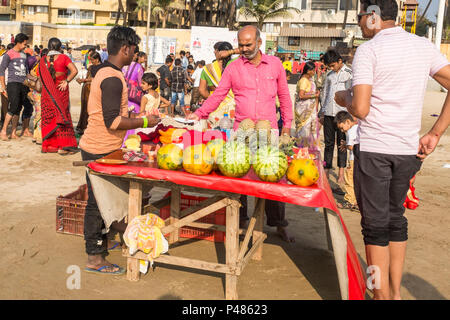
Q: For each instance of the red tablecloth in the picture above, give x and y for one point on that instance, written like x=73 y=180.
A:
x=318 y=195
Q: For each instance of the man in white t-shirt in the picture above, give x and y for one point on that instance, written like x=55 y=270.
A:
x=387 y=97
x=347 y=124
x=195 y=95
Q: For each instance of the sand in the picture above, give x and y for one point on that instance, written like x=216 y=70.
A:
x=36 y=262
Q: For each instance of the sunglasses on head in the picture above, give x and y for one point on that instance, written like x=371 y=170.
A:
x=360 y=15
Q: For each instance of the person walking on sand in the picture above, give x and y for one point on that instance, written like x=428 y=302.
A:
x=15 y=61
x=246 y=76
x=387 y=97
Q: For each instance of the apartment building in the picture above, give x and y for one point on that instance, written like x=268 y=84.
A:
x=317 y=26
x=100 y=12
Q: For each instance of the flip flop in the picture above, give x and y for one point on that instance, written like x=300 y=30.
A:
x=115 y=247
x=99 y=270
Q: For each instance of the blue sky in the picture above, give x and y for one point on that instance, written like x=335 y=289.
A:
x=432 y=10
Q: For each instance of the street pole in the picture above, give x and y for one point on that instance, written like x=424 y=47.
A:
x=147 y=42
x=440 y=24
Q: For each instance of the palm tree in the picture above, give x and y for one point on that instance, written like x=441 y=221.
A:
x=261 y=10
x=161 y=8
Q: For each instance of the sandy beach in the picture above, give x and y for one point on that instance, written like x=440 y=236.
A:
x=34 y=259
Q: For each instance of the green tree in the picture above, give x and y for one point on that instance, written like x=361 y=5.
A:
x=261 y=10
x=161 y=9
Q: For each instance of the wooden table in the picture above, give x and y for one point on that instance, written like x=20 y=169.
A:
x=238 y=254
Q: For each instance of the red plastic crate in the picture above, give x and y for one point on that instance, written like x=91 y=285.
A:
x=70 y=210
x=217 y=217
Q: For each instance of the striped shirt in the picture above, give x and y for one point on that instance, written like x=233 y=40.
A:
x=397 y=65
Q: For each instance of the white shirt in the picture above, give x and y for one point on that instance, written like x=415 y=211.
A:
x=342 y=80
x=196 y=77
x=352 y=138
x=397 y=64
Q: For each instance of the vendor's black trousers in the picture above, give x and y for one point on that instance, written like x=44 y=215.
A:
x=332 y=135
x=275 y=212
x=96 y=241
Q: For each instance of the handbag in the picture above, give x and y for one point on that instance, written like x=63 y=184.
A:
x=135 y=92
x=32 y=81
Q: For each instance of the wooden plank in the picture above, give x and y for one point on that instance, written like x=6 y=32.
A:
x=205 y=203
x=195 y=216
x=258 y=230
x=188 y=263
x=339 y=242
x=248 y=234
x=327 y=230
x=134 y=210
x=207 y=226
x=259 y=242
x=232 y=250
x=175 y=209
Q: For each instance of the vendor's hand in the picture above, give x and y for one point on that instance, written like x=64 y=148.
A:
x=80 y=81
x=344 y=98
x=5 y=94
x=286 y=131
x=193 y=116
x=153 y=120
x=427 y=144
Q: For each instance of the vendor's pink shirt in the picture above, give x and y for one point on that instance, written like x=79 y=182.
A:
x=255 y=90
x=397 y=64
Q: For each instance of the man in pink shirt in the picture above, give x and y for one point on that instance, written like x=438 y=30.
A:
x=256 y=80
x=387 y=97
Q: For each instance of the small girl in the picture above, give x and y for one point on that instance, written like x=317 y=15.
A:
x=152 y=100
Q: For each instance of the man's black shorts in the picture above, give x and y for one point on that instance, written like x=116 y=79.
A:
x=381 y=183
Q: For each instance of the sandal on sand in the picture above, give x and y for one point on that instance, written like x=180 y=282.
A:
x=116 y=247
x=99 y=270
x=344 y=205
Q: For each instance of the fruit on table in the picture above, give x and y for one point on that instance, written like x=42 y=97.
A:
x=133 y=142
x=172 y=135
x=234 y=159
x=303 y=172
x=264 y=131
x=197 y=159
x=170 y=157
x=247 y=124
x=270 y=164
x=214 y=146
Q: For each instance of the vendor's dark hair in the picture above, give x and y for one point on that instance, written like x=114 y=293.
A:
x=151 y=79
x=389 y=8
x=331 y=56
x=121 y=36
x=222 y=47
x=55 y=45
x=308 y=67
x=20 y=37
x=342 y=116
x=216 y=45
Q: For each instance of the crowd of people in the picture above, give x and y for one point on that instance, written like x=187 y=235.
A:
x=367 y=111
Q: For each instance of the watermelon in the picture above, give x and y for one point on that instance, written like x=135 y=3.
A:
x=270 y=164
x=214 y=146
x=234 y=159
x=170 y=157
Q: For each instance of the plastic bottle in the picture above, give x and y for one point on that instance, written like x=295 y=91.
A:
x=226 y=125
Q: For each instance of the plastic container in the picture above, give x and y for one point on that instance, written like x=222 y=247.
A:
x=70 y=211
x=217 y=217
x=226 y=125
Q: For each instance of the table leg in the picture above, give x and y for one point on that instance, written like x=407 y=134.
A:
x=134 y=210
x=175 y=209
x=232 y=249
x=327 y=230
x=258 y=231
